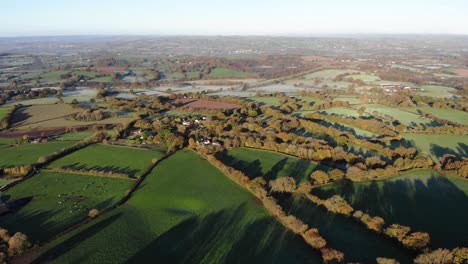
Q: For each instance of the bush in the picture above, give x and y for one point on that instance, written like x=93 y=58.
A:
x=386 y=261
x=460 y=255
x=93 y=213
x=397 y=231
x=17 y=244
x=283 y=184
x=329 y=254
x=416 y=240
x=313 y=238
x=319 y=177
x=438 y=256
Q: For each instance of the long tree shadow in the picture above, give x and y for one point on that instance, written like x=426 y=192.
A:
x=40 y=224
x=75 y=240
x=344 y=233
x=434 y=205
x=226 y=237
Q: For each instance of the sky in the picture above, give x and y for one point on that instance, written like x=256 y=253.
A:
x=234 y=17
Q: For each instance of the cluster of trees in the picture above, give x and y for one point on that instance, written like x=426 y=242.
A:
x=11 y=246
x=336 y=204
x=91 y=115
x=451 y=164
x=373 y=125
x=331 y=104
x=16 y=171
x=457 y=255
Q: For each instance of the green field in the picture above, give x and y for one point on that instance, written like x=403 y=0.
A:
x=131 y=161
x=3 y=112
x=186 y=211
x=448 y=114
x=420 y=199
x=437 y=91
x=439 y=145
x=85 y=74
x=402 y=115
x=54 y=76
x=268 y=164
x=105 y=79
x=58 y=201
x=29 y=153
x=342 y=111
x=229 y=73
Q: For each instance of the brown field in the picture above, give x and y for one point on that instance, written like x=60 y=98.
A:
x=40 y=117
x=36 y=114
x=206 y=104
x=461 y=72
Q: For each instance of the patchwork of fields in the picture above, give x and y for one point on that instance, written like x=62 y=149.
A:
x=186 y=212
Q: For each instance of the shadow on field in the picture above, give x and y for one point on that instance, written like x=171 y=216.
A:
x=436 y=206
x=344 y=233
x=75 y=240
x=439 y=151
x=20 y=116
x=40 y=224
x=127 y=170
x=225 y=237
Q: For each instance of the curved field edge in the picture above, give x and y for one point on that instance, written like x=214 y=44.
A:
x=186 y=211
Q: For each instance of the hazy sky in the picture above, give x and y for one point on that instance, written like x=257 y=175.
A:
x=231 y=17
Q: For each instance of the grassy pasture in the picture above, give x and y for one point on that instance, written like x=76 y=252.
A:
x=342 y=111
x=186 y=211
x=437 y=91
x=448 y=114
x=58 y=201
x=131 y=161
x=268 y=164
x=29 y=153
x=104 y=79
x=3 y=112
x=439 y=145
x=351 y=100
x=420 y=199
x=85 y=73
x=402 y=115
x=229 y=73
x=54 y=76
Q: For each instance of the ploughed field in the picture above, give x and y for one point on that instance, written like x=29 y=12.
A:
x=186 y=211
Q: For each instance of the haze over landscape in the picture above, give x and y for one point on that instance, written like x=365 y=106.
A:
x=243 y=17
x=234 y=131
